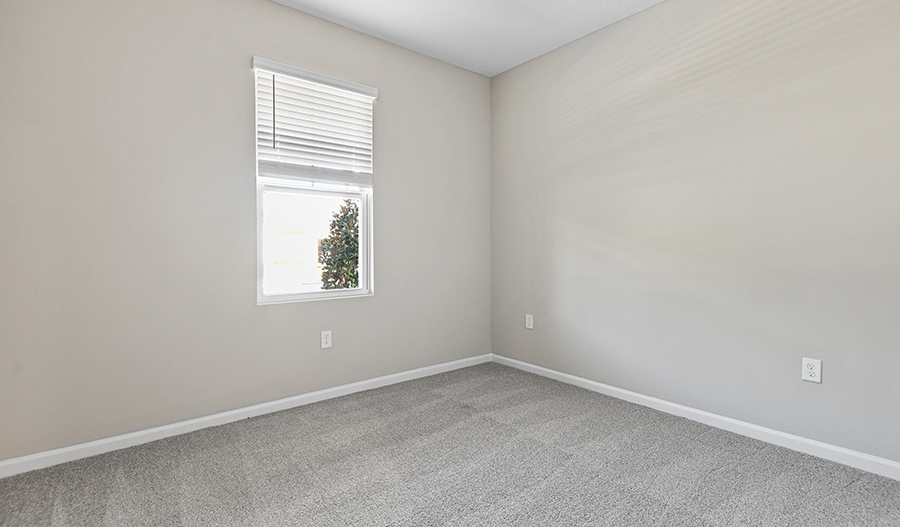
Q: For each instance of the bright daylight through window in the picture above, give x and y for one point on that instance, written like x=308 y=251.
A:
x=314 y=185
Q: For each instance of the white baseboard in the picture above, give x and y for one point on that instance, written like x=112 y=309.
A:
x=869 y=463
x=845 y=456
x=18 y=465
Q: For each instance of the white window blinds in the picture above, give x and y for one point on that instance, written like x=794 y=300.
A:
x=312 y=126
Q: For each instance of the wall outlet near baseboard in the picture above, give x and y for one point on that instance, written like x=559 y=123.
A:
x=812 y=370
x=529 y=322
x=326 y=339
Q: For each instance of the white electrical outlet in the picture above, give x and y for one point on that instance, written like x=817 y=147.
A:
x=326 y=339
x=529 y=322
x=812 y=370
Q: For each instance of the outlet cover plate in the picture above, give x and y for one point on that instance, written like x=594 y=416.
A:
x=529 y=322
x=326 y=339
x=812 y=370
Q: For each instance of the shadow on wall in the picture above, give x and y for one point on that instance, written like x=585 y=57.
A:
x=712 y=209
x=741 y=54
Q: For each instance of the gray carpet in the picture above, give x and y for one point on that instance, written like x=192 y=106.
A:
x=487 y=445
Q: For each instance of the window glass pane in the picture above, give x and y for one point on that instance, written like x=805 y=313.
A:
x=310 y=242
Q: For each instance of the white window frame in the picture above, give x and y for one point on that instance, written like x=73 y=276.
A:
x=364 y=195
x=312 y=180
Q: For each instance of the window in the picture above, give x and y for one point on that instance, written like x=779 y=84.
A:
x=313 y=185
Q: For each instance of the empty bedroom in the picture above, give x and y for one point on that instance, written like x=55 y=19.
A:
x=406 y=263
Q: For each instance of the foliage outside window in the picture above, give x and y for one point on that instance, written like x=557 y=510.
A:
x=339 y=253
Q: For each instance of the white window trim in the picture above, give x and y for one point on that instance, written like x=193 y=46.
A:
x=284 y=177
x=364 y=195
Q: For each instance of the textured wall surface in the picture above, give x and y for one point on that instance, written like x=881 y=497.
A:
x=128 y=217
x=691 y=200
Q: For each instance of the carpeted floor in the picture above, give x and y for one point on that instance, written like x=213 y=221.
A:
x=487 y=445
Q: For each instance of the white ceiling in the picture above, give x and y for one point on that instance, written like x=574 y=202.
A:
x=484 y=36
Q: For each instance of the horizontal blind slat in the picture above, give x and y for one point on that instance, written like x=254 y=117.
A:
x=316 y=121
x=313 y=142
x=287 y=149
x=270 y=167
x=315 y=96
x=299 y=122
x=319 y=163
x=327 y=91
x=352 y=118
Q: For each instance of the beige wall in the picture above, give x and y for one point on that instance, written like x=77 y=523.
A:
x=693 y=199
x=688 y=202
x=128 y=217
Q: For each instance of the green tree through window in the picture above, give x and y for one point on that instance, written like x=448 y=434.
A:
x=339 y=252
